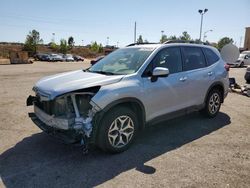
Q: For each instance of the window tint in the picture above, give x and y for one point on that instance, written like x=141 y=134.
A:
x=169 y=58
x=210 y=56
x=193 y=58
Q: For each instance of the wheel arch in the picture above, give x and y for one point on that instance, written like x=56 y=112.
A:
x=216 y=85
x=133 y=103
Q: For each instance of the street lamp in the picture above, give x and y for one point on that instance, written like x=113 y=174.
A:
x=162 y=32
x=205 y=36
x=202 y=12
x=107 y=41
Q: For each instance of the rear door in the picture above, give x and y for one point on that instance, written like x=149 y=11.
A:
x=196 y=74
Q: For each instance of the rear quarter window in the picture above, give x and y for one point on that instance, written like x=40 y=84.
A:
x=211 y=57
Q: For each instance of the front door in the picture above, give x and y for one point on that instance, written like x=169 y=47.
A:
x=165 y=94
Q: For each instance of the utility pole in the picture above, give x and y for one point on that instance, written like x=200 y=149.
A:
x=53 y=37
x=135 y=33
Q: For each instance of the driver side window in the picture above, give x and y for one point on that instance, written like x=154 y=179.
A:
x=169 y=58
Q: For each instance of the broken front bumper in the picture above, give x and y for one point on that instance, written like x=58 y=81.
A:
x=67 y=136
x=51 y=121
x=66 y=116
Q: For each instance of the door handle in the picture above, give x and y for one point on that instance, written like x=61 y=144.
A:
x=183 y=79
x=210 y=73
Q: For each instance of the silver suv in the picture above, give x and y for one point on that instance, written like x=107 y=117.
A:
x=110 y=102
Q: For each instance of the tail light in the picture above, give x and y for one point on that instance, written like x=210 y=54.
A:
x=227 y=67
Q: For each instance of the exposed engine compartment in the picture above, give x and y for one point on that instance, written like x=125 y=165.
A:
x=70 y=114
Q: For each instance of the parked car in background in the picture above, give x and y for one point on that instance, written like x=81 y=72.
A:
x=244 y=59
x=247 y=75
x=94 y=61
x=68 y=57
x=55 y=57
x=109 y=103
x=78 y=58
x=42 y=57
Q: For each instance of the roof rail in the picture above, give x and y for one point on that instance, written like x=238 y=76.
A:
x=134 y=44
x=185 y=41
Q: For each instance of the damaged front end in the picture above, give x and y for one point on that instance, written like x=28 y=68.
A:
x=68 y=117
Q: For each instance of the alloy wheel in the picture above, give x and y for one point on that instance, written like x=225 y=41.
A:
x=121 y=131
x=214 y=103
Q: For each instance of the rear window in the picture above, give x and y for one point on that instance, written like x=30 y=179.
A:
x=210 y=56
x=193 y=58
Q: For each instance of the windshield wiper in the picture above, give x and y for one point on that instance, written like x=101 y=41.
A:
x=102 y=72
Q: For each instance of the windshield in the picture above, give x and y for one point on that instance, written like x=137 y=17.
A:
x=122 y=61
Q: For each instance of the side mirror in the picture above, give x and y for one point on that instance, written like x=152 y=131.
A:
x=160 y=72
x=246 y=57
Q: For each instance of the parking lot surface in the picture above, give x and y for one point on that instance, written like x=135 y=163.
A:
x=190 y=151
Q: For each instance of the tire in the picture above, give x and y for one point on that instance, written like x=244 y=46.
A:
x=242 y=64
x=212 y=104
x=111 y=137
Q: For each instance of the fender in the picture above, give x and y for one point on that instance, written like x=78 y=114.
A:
x=99 y=115
x=218 y=83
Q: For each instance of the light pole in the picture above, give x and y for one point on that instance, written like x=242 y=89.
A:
x=162 y=32
x=135 y=33
x=202 y=12
x=107 y=41
x=82 y=42
x=205 y=36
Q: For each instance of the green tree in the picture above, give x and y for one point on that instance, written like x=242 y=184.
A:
x=54 y=46
x=140 y=40
x=100 y=50
x=185 y=36
x=71 y=42
x=173 y=37
x=63 y=46
x=225 y=40
x=96 y=47
x=31 y=42
x=163 y=38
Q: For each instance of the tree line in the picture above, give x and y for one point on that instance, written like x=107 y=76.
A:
x=186 y=37
x=33 y=39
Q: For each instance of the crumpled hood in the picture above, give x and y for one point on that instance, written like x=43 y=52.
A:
x=59 y=84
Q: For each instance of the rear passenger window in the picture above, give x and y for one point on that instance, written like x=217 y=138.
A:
x=169 y=58
x=193 y=58
x=210 y=56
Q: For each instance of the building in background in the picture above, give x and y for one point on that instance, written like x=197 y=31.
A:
x=247 y=39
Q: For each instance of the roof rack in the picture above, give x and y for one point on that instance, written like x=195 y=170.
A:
x=134 y=44
x=185 y=41
x=170 y=42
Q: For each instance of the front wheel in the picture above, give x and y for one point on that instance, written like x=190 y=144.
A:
x=242 y=64
x=117 y=130
x=213 y=103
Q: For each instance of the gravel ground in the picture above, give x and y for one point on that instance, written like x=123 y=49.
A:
x=190 y=151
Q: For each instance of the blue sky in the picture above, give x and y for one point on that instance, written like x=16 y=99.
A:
x=95 y=20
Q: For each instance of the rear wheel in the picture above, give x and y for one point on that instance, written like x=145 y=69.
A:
x=213 y=103
x=117 y=130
